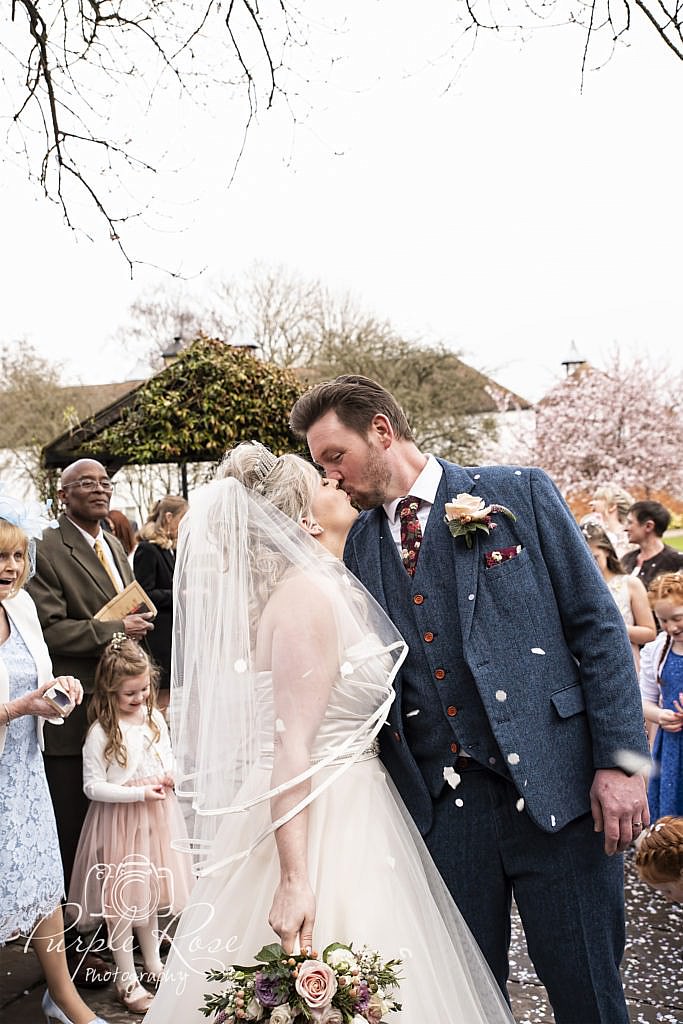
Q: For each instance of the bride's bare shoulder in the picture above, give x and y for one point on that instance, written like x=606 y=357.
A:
x=302 y=590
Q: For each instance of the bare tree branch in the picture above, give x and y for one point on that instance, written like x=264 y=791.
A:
x=78 y=62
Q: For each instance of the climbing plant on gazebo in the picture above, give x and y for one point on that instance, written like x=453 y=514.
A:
x=212 y=397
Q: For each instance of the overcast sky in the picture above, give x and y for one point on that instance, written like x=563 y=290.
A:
x=500 y=210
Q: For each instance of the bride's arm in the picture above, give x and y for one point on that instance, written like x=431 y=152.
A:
x=304 y=665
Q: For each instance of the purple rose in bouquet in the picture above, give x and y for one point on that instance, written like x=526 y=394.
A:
x=268 y=991
x=363 y=998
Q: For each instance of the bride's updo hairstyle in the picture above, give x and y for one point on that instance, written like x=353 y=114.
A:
x=289 y=482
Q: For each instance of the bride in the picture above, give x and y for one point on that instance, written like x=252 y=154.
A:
x=281 y=683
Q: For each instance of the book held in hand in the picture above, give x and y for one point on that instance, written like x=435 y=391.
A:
x=132 y=600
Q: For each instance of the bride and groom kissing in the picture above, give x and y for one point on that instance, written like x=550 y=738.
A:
x=500 y=724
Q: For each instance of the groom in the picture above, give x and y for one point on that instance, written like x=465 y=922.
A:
x=515 y=701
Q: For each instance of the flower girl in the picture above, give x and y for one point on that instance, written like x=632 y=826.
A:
x=125 y=870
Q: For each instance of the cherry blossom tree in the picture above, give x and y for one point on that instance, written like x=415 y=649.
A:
x=624 y=423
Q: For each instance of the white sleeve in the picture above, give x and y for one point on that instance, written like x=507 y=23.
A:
x=164 y=746
x=649 y=658
x=95 y=785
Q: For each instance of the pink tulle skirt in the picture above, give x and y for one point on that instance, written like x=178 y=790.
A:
x=125 y=866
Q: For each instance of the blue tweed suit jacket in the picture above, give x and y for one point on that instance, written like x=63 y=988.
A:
x=542 y=628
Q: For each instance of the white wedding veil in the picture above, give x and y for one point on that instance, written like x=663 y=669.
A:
x=282 y=662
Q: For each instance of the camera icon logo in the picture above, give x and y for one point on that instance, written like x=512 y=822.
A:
x=135 y=890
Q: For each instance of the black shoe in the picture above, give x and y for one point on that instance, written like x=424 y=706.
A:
x=90 y=971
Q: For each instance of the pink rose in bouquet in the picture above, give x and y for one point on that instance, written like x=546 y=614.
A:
x=316 y=984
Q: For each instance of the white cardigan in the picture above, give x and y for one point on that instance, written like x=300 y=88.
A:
x=649 y=660
x=105 y=780
x=22 y=611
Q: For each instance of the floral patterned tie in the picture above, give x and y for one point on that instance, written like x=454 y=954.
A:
x=411 y=532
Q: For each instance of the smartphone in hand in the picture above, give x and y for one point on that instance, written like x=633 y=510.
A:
x=59 y=699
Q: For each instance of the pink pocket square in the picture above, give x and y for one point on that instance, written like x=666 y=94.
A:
x=499 y=555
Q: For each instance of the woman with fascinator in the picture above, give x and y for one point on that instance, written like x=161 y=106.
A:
x=31 y=877
x=281 y=682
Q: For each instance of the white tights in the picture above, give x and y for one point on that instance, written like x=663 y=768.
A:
x=121 y=945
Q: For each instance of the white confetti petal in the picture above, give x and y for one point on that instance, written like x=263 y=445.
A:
x=451 y=777
x=279 y=725
x=520 y=804
x=513 y=758
x=501 y=695
x=240 y=665
x=458 y=802
x=552 y=820
x=477 y=476
x=411 y=714
x=632 y=763
x=346 y=669
x=518 y=472
x=537 y=650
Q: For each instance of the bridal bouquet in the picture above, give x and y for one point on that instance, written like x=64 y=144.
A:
x=341 y=986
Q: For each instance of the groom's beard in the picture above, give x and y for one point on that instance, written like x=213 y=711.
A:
x=374 y=486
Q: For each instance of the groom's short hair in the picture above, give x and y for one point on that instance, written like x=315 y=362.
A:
x=355 y=399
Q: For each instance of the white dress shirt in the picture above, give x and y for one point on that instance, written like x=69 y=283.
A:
x=424 y=488
x=105 y=547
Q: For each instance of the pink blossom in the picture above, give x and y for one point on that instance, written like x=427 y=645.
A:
x=316 y=984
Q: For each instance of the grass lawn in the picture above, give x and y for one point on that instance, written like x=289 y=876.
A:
x=674 y=542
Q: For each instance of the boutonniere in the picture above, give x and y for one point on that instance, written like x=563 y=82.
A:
x=467 y=513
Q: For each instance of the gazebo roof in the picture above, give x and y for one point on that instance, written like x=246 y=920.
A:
x=208 y=399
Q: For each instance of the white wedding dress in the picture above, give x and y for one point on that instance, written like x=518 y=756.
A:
x=373 y=879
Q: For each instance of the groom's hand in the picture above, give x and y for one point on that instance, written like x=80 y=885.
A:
x=619 y=807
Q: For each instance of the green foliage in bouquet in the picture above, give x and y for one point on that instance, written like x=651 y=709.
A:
x=340 y=987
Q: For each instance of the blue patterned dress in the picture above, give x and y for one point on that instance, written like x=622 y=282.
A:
x=31 y=877
x=665 y=792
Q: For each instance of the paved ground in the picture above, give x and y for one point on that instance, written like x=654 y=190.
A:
x=653 y=972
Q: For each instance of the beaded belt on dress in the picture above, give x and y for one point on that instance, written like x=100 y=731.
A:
x=266 y=758
x=365 y=755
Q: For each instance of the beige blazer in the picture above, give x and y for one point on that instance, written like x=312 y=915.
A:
x=22 y=611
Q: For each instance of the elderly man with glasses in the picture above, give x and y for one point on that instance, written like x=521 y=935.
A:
x=79 y=568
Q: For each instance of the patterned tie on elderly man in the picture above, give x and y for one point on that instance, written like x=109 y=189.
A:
x=411 y=532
